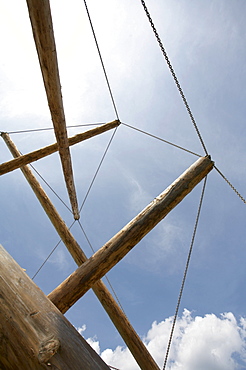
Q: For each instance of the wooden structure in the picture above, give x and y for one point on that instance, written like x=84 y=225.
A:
x=34 y=333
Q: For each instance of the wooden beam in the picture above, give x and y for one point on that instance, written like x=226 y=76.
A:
x=42 y=27
x=34 y=333
x=80 y=281
x=122 y=324
x=43 y=152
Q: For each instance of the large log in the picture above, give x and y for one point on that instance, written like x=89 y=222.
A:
x=80 y=281
x=129 y=335
x=33 y=332
x=42 y=27
x=43 y=152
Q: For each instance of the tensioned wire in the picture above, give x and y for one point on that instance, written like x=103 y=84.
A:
x=188 y=151
x=143 y=132
x=192 y=118
x=102 y=159
x=174 y=75
x=146 y=133
x=52 y=128
x=106 y=277
x=102 y=63
x=100 y=164
x=158 y=138
x=81 y=227
x=192 y=242
x=185 y=273
x=86 y=196
x=88 y=191
x=189 y=112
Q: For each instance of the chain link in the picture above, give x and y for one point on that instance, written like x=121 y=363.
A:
x=174 y=75
x=185 y=273
x=228 y=182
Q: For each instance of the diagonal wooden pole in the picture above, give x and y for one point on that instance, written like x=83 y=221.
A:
x=43 y=152
x=80 y=281
x=42 y=27
x=122 y=324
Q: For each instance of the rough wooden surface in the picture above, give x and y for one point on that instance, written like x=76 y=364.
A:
x=34 y=335
x=42 y=27
x=79 y=282
x=122 y=324
x=43 y=152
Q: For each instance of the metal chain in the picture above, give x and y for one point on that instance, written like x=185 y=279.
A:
x=228 y=182
x=174 y=75
x=185 y=273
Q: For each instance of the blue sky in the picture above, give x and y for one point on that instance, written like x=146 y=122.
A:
x=206 y=45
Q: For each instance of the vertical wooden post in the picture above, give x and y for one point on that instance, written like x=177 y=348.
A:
x=34 y=334
x=122 y=324
x=42 y=27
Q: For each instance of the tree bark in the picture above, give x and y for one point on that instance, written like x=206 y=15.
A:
x=34 y=334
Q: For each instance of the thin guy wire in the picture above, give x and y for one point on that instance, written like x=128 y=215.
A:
x=174 y=75
x=158 y=138
x=229 y=183
x=46 y=259
x=102 y=63
x=98 y=168
x=185 y=273
x=88 y=191
x=34 y=169
x=53 y=250
x=93 y=250
x=52 y=128
x=50 y=188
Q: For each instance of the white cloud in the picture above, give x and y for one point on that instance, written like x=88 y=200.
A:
x=199 y=343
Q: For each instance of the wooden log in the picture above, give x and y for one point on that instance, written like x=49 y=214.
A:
x=42 y=27
x=34 y=334
x=122 y=324
x=43 y=152
x=80 y=281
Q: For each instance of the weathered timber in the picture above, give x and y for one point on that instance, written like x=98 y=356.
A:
x=43 y=152
x=80 y=281
x=42 y=27
x=33 y=332
x=122 y=324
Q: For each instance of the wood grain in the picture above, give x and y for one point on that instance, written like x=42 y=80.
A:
x=42 y=27
x=33 y=332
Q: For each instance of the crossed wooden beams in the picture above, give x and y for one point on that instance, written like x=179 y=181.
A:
x=42 y=27
x=90 y=271
x=132 y=340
